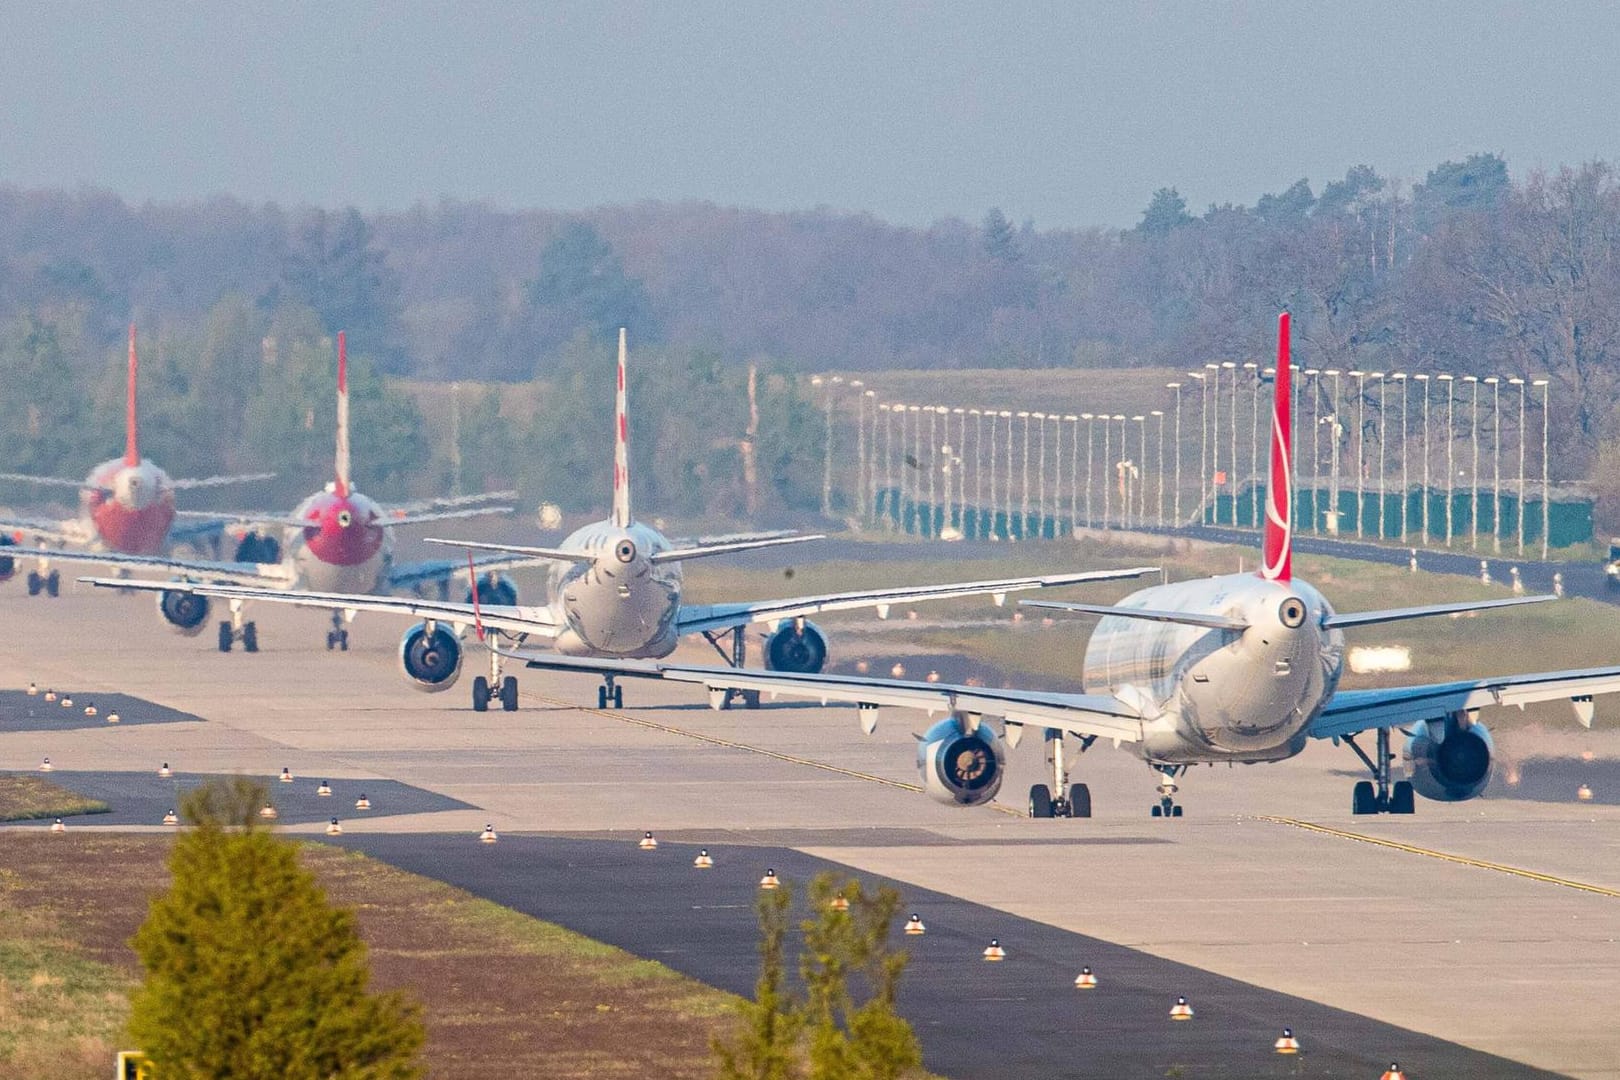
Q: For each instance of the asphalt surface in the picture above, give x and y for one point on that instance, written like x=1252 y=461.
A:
x=1020 y=1018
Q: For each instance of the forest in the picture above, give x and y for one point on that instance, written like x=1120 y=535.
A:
x=1468 y=271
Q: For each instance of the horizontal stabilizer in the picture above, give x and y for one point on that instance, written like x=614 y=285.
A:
x=517 y=549
x=219 y=481
x=1185 y=618
x=1369 y=618
x=703 y=550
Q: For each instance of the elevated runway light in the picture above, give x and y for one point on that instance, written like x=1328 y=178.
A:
x=994 y=952
x=838 y=903
x=932 y=676
x=268 y=812
x=362 y=803
x=67 y=702
x=1286 y=1043
x=1393 y=1072
x=113 y=718
x=325 y=790
x=50 y=695
x=1181 y=1010
x=1583 y=793
x=286 y=775
x=171 y=818
x=57 y=826
x=488 y=835
x=770 y=880
x=914 y=925
x=334 y=829
x=703 y=861
x=648 y=842
x=46 y=766
x=898 y=671
x=32 y=690
x=90 y=710
x=862 y=667
x=164 y=770
x=1085 y=980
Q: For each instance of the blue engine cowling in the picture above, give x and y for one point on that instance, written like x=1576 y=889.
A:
x=185 y=612
x=431 y=660
x=8 y=565
x=961 y=768
x=495 y=590
x=796 y=645
x=1450 y=759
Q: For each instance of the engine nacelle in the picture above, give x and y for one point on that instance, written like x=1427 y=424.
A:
x=431 y=661
x=797 y=645
x=495 y=589
x=1449 y=760
x=257 y=547
x=8 y=565
x=961 y=768
x=185 y=612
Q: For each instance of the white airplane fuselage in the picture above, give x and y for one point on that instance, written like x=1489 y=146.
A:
x=621 y=603
x=1210 y=695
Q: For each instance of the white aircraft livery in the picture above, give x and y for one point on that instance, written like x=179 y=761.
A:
x=1239 y=668
x=616 y=594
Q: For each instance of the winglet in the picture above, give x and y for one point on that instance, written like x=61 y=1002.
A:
x=342 y=480
x=621 y=447
x=1278 y=551
x=132 y=448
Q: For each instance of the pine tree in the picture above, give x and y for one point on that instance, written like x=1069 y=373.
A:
x=250 y=973
x=767 y=1046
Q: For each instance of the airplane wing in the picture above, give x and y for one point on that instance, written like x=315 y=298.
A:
x=40 y=529
x=46 y=481
x=223 y=518
x=417 y=517
x=423 y=506
x=694 y=618
x=191 y=569
x=726 y=547
x=1077 y=714
x=189 y=484
x=1350 y=711
x=410 y=575
x=532 y=621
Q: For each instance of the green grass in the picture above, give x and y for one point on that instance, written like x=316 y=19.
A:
x=26 y=798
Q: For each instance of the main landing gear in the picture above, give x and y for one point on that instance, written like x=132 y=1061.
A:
x=609 y=693
x=238 y=630
x=1378 y=795
x=338 y=636
x=50 y=584
x=1077 y=802
x=1167 y=805
x=494 y=687
x=736 y=656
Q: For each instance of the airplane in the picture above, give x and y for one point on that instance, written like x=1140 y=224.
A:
x=126 y=505
x=1239 y=668
x=616 y=592
x=335 y=540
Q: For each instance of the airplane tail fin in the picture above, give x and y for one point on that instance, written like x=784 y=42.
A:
x=1278 y=550
x=132 y=446
x=621 y=447
x=342 y=463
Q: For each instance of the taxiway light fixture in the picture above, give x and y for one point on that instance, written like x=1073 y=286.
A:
x=488 y=835
x=993 y=952
x=648 y=842
x=1085 y=980
x=1181 y=1010
x=704 y=860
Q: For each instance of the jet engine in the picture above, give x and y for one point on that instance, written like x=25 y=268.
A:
x=1450 y=759
x=257 y=547
x=797 y=645
x=185 y=612
x=495 y=589
x=960 y=767
x=8 y=565
x=430 y=659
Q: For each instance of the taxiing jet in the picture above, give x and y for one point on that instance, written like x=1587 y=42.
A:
x=1239 y=668
x=126 y=505
x=336 y=540
x=616 y=593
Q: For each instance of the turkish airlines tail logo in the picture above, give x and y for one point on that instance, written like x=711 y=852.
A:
x=621 y=447
x=1278 y=550
x=132 y=442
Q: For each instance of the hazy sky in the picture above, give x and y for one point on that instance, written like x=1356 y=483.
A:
x=1066 y=113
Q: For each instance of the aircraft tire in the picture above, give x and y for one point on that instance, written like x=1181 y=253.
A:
x=601 y=697
x=225 y=637
x=250 y=637
x=618 y=697
x=35 y=582
x=1040 y=801
x=53 y=583
x=1362 y=799
x=1079 y=800
x=1158 y=811
x=509 y=693
x=480 y=694
x=343 y=640
x=1401 y=800
x=1175 y=811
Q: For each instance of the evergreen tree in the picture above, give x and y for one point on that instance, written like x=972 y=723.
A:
x=767 y=1047
x=1166 y=212
x=582 y=287
x=249 y=972
x=1000 y=239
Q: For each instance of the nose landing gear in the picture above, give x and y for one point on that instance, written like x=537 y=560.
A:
x=609 y=693
x=238 y=630
x=494 y=686
x=1167 y=805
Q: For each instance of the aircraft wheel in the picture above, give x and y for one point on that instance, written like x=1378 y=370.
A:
x=35 y=582
x=601 y=697
x=1362 y=799
x=331 y=640
x=750 y=699
x=250 y=637
x=480 y=694
x=1040 y=801
x=1175 y=811
x=1400 y=800
x=1079 y=800
x=1158 y=811
x=343 y=640
x=53 y=583
x=509 y=699
x=225 y=637
x=618 y=697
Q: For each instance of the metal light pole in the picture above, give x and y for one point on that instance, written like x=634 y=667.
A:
x=914 y=461
x=978 y=469
x=1203 y=440
x=1007 y=489
x=1382 y=444
x=1141 y=466
x=1040 y=476
x=1335 y=433
x=992 y=414
x=1423 y=505
x=1361 y=447
x=1520 y=384
x=1254 y=441
x=1120 y=473
x=959 y=464
x=888 y=453
x=1108 y=467
x=862 y=474
x=1315 y=391
x=1023 y=500
x=1159 y=502
x=1056 y=506
x=1473 y=476
x=1213 y=492
x=1406 y=487
x=1546 y=488
x=1451 y=446
x=1090 y=440
x=1232 y=470
x=1496 y=462
x=1074 y=472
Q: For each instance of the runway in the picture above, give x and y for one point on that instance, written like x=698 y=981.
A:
x=1372 y=952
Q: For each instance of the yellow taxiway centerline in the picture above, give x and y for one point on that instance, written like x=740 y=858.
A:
x=730 y=744
x=1460 y=860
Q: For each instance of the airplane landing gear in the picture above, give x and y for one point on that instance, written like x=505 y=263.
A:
x=1167 y=805
x=737 y=657
x=1071 y=801
x=494 y=687
x=238 y=630
x=338 y=636
x=609 y=693
x=50 y=584
x=1378 y=795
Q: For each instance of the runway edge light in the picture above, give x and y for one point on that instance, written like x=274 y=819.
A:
x=770 y=880
x=1286 y=1043
x=914 y=925
x=994 y=952
x=703 y=860
x=1181 y=1010
x=1085 y=980
x=488 y=835
x=648 y=842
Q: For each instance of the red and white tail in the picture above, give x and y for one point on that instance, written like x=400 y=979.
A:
x=1278 y=550
x=342 y=464
x=621 y=447
x=132 y=444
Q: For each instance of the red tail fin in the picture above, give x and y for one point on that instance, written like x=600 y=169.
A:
x=342 y=481
x=132 y=446
x=1278 y=552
